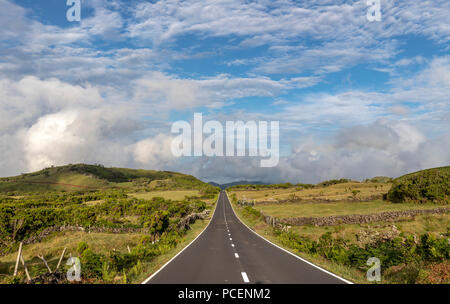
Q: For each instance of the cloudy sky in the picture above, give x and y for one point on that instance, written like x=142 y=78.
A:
x=354 y=98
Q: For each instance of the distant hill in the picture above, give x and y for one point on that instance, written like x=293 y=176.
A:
x=224 y=186
x=84 y=176
x=431 y=185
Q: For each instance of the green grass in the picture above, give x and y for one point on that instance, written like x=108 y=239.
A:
x=341 y=191
x=339 y=208
x=82 y=176
x=170 y=194
x=52 y=247
x=433 y=224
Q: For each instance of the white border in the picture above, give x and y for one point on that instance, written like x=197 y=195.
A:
x=167 y=263
x=287 y=251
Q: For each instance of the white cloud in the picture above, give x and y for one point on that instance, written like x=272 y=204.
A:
x=154 y=152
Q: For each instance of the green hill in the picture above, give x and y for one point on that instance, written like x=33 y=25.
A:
x=431 y=185
x=83 y=176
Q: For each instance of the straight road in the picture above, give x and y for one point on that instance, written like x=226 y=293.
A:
x=229 y=252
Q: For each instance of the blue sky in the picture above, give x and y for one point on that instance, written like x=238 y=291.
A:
x=354 y=98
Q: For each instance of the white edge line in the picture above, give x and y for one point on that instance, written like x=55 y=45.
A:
x=168 y=262
x=287 y=251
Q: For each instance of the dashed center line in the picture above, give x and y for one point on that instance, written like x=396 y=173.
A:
x=231 y=239
x=236 y=256
x=232 y=245
x=245 y=277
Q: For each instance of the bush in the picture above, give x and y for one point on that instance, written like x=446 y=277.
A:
x=81 y=247
x=394 y=252
x=159 y=222
x=122 y=261
x=431 y=185
x=91 y=264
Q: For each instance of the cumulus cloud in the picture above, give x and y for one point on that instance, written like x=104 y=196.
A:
x=91 y=137
x=385 y=147
x=154 y=152
x=49 y=122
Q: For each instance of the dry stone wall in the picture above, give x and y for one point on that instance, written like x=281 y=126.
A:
x=350 y=219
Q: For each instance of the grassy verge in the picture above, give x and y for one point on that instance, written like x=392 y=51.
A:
x=196 y=228
x=151 y=267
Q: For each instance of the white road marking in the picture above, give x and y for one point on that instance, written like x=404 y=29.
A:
x=231 y=239
x=232 y=245
x=288 y=252
x=245 y=277
x=236 y=256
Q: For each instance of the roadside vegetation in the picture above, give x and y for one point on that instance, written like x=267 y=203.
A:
x=121 y=223
x=412 y=249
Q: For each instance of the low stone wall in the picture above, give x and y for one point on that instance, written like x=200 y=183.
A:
x=350 y=219
x=184 y=223
x=191 y=218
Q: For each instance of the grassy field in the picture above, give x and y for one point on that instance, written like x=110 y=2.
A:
x=170 y=194
x=83 y=176
x=334 y=192
x=433 y=223
x=338 y=208
x=52 y=247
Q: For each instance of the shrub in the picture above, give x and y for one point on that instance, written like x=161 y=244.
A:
x=431 y=185
x=81 y=247
x=159 y=222
x=122 y=261
x=91 y=264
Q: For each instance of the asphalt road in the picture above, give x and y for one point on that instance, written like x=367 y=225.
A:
x=229 y=252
